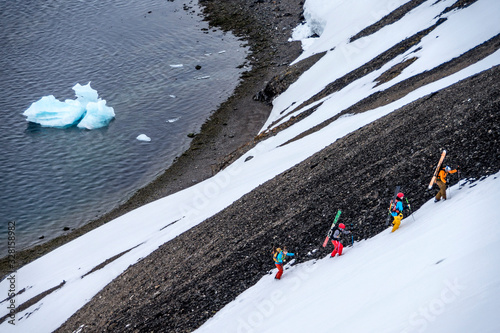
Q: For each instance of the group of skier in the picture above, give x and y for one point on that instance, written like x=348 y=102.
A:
x=396 y=209
x=397 y=206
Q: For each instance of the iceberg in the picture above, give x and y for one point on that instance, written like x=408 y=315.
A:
x=143 y=137
x=97 y=115
x=85 y=94
x=86 y=111
x=50 y=112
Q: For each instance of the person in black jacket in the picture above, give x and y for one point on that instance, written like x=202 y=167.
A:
x=338 y=247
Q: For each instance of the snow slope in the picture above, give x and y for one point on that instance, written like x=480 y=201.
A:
x=133 y=236
x=462 y=30
x=438 y=273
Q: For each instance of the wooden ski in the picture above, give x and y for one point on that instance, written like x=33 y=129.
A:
x=433 y=180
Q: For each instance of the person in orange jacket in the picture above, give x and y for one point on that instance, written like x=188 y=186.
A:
x=441 y=182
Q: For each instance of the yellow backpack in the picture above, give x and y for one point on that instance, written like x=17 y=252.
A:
x=275 y=254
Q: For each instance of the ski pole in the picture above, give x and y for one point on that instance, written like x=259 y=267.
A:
x=459 y=178
x=409 y=207
x=448 y=193
x=352 y=237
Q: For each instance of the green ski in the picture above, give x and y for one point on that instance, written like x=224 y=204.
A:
x=331 y=228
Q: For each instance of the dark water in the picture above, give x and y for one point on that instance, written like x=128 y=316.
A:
x=52 y=178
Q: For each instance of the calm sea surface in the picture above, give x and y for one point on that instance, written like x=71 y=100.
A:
x=55 y=178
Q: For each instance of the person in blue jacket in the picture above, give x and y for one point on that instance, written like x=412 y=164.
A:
x=397 y=211
x=279 y=257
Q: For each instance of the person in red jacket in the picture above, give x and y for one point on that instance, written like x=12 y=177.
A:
x=441 y=182
x=337 y=245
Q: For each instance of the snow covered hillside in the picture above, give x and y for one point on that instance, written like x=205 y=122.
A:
x=462 y=30
x=437 y=273
x=440 y=262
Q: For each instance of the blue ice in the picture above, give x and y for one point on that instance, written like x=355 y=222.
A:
x=86 y=111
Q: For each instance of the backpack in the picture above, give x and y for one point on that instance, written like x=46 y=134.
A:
x=275 y=254
x=341 y=233
x=394 y=205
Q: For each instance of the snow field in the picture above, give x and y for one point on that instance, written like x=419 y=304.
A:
x=461 y=31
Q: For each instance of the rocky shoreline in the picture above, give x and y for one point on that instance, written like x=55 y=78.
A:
x=266 y=25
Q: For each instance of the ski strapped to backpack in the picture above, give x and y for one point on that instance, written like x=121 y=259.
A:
x=396 y=191
x=433 y=180
x=331 y=228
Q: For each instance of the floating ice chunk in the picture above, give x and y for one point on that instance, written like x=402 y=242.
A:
x=86 y=111
x=177 y=66
x=173 y=120
x=98 y=115
x=143 y=137
x=50 y=112
x=173 y=96
x=85 y=94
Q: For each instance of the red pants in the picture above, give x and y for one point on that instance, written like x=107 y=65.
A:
x=280 y=271
x=337 y=248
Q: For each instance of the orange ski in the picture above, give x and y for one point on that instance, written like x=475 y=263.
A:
x=433 y=180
